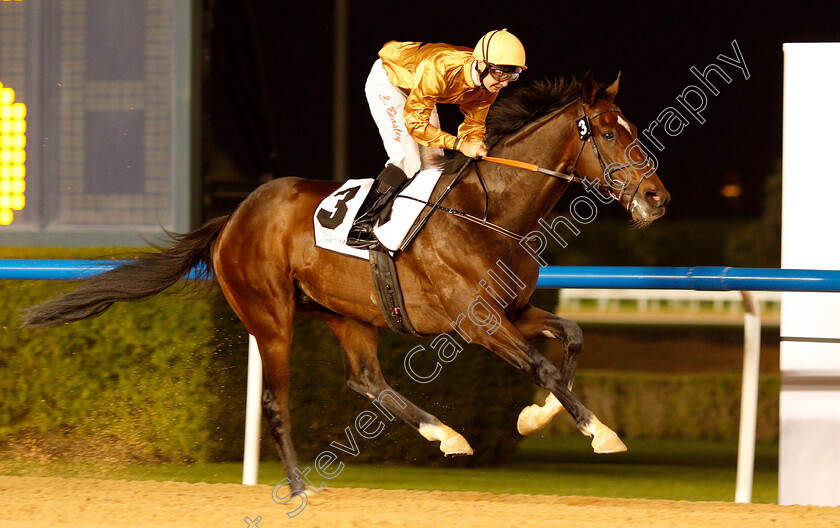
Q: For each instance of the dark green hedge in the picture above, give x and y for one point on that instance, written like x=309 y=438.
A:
x=140 y=382
x=164 y=380
x=685 y=406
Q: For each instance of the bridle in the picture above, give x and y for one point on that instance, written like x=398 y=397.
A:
x=585 y=134
x=604 y=187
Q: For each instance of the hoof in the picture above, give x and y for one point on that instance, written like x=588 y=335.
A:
x=451 y=443
x=456 y=446
x=527 y=422
x=535 y=417
x=608 y=443
x=604 y=439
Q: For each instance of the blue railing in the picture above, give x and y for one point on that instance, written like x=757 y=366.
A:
x=39 y=269
x=44 y=269
x=708 y=278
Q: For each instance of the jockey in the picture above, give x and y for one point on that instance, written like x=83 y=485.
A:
x=402 y=89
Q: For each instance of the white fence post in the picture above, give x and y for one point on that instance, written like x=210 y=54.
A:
x=749 y=399
x=253 y=415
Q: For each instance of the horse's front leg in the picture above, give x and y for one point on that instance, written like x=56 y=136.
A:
x=364 y=375
x=535 y=323
x=501 y=335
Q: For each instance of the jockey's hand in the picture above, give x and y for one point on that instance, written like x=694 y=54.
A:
x=473 y=149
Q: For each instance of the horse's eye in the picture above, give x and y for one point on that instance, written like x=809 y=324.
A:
x=609 y=136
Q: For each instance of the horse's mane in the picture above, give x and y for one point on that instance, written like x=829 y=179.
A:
x=523 y=105
x=528 y=103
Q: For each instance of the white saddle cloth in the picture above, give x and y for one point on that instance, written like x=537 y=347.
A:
x=334 y=215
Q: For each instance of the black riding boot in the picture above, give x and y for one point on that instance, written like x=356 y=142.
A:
x=381 y=193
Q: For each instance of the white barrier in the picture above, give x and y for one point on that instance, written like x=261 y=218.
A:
x=809 y=410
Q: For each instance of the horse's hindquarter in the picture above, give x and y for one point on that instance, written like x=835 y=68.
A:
x=257 y=254
x=265 y=223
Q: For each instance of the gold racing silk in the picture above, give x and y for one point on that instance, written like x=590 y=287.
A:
x=436 y=73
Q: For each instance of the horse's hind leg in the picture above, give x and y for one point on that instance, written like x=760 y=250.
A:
x=361 y=366
x=535 y=323
x=275 y=352
x=271 y=323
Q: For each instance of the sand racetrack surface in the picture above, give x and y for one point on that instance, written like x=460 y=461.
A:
x=60 y=502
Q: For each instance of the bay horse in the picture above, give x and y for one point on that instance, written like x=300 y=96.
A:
x=267 y=265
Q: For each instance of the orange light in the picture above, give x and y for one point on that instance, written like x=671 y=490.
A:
x=732 y=190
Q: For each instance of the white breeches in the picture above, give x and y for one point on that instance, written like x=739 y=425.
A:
x=387 y=103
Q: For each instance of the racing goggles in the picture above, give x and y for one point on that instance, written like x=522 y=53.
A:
x=504 y=73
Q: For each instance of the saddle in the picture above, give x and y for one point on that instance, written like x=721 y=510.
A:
x=334 y=217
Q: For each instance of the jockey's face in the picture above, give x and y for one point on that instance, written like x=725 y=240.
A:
x=489 y=81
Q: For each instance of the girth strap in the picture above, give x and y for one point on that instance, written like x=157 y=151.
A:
x=387 y=286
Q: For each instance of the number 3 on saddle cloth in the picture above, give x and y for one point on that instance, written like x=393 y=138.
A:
x=334 y=217
x=335 y=214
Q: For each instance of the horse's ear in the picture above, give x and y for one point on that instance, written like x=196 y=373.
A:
x=612 y=90
x=589 y=89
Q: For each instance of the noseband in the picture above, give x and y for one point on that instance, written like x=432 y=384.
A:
x=586 y=135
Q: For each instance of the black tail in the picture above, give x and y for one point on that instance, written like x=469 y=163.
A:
x=144 y=277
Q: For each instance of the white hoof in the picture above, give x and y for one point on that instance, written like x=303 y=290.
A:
x=451 y=443
x=535 y=417
x=604 y=439
x=456 y=446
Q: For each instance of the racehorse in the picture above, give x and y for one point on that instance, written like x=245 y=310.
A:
x=265 y=261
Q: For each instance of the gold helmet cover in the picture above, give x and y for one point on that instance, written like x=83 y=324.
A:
x=501 y=48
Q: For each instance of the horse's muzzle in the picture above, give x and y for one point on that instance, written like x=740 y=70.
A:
x=648 y=205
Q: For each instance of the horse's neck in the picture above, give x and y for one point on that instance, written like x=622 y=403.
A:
x=518 y=198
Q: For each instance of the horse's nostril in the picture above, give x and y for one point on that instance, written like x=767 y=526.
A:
x=657 y=199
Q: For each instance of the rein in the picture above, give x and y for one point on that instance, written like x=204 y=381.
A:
x=474 y=219
x=585 y=134
x=567 y=176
